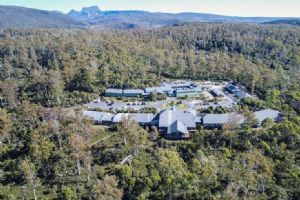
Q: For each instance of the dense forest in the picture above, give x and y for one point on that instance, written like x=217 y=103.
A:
x=48 y=150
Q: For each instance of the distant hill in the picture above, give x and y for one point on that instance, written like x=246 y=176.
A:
x=94 y=17
x=134 y=19
x=20 y=17
x=295 y=22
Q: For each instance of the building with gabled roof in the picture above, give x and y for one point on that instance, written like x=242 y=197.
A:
x=267 y=113
x=178 y=127
x=175 y=124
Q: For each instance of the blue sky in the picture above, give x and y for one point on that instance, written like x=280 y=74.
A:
x=284 y=8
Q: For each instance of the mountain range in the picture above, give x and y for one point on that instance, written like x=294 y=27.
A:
x=20 y=17
x=94 y=17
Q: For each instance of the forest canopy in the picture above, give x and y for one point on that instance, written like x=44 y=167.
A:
x=81 y=63
x=48 y=150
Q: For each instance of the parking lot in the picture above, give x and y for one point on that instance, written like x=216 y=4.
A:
x=190 y=104
x=205 y=100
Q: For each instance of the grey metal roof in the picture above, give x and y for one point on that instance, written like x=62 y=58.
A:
x=192 y=111
x=183 y=84
x=137 y=117
x=184 y=90
x=119 y=117
x=177 y=127
x=227 y=103
x=198 y=119
x=241 y=94
x=133 y=91
x=163 y=84
x=161 y=89
x=222 y=118
x=267 y=113
x=115 y=91
x=98 y=116
x=218 y=92
x=178 y=84
x=169 y=117
x=232 y=88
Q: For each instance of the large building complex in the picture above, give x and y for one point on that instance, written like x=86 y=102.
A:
x=176 y=124
x=174 y=89
x=171 y=120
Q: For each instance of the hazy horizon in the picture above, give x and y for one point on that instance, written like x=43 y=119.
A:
x=254 y=8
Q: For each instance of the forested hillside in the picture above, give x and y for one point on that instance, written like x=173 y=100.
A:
x=49 y=151
x=295 y=22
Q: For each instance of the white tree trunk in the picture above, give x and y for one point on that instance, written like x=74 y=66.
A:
x=89 y=172
x=34 y=194
x=78 y=167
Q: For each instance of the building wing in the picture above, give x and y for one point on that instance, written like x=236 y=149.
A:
x=217 y=120
x=267 y=113
x=98 y=116
x=141 y=118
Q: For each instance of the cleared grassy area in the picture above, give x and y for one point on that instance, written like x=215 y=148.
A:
x=100 y=133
